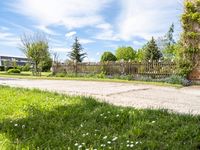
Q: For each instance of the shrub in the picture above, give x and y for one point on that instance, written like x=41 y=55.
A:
x=14 y=71
x=175 y=79
x=2 y=68
x=27 y=67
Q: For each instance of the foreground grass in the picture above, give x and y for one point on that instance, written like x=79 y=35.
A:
x=31 y=119
x=45 y=76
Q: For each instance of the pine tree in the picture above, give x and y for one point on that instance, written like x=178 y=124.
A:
x=76 y=53
x=152 y=53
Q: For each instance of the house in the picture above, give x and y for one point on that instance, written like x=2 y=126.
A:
x=7 y=60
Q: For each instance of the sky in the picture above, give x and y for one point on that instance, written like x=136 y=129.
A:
x=100 y=25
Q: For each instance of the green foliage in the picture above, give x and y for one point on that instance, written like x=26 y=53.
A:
x=190 y=55
x=174 y=79
x=152 y=52
x=2 y=68
x=36 y=48
x=13 y=71
x=76 y=53
x=184 y=67
x=32 y=119
x=108 y=56
x=125 y=53
x=47 y=64
x=140 y=54
x=27 y=67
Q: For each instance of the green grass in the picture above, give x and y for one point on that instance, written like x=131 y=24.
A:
x=32 y=119
x=45 y=76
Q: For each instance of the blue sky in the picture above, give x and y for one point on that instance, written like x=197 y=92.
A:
x=101 y=25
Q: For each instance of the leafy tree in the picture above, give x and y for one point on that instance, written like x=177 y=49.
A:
x=36 y=48
x=140 y=54
x=190 y=52
x=125 y=53
x=76 y=53
x=108 y=56
x=167 y=44
x=152 y=53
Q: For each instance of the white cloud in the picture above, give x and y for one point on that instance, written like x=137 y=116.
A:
x=9 y=39
x=70 y=34
x=60 y=49
x=70 y=13
x=46 y=30
x=146 y=18
x=86 y=41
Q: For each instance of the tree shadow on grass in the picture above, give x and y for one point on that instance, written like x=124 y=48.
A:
x=90 y=124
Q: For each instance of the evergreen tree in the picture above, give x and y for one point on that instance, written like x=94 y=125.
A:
x=76 y=53
x=152 y=52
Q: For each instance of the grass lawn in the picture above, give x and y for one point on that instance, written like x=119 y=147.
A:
x=45 y=76
x=32 y=119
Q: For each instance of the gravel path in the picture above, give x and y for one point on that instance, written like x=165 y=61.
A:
x=184 y=100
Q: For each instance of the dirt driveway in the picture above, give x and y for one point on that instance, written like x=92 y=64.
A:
x=184 y=100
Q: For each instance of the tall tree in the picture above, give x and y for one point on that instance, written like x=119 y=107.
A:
x=152 y=53
x=76 y=54
x=36 y=48
x=167 y=44
x=190 y=53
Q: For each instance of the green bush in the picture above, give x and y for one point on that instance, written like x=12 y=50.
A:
x=2 y=68
x=13 y=71
x=175 y=79
x=27 y=67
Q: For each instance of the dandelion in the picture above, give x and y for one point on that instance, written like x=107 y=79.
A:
x=76 y=144
x=105 y=137
x=23 y=126
x=16 y=125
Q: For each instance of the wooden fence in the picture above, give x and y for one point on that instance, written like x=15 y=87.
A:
x=152 y=69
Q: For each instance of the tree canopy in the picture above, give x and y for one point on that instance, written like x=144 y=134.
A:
x=125 y=53
x=108 y=56
x=36 y=48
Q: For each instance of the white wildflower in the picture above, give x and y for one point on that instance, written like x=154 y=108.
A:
x=131 y=145
x=105 y=137
x=117 y=115
x=16 y=125
x=109 y=142
x=23 y=126
x=115 y=138
x=153 y=121
x=76 y=144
